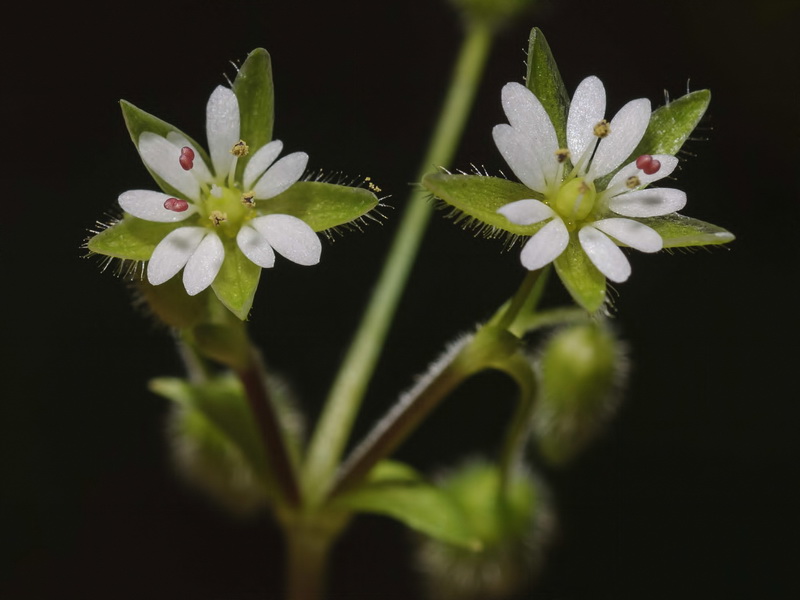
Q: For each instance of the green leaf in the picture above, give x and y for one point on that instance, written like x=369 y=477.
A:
x=255 y=93
x=679 y=231
x=583 y=281
x=139 y=121
x=131 y=238
x=237 y=280
x=222 y=405
x=672 y=124
x=395 y=491
x=545 y=82
x=478 y=198
x=321 y=205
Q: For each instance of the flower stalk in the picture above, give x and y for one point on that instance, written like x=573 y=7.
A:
x=347 y=391
x=272 y=435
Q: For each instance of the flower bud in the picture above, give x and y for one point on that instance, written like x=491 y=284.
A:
x=511 y=526
x=216 y=445
x=582 y=369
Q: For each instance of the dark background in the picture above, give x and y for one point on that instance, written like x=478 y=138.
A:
x=692 y=491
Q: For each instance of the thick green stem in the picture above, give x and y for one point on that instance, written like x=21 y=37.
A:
x=306 y=563
x=333 y=430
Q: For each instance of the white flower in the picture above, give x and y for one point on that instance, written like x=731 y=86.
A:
x=215 y=205
x=566 y=178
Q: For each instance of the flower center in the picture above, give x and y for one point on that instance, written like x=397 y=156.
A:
x=574 y=200
x=224 y=211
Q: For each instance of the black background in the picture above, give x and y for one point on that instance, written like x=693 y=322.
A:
x=692 y=491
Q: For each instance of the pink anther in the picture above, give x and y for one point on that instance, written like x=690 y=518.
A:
x=176 y=205
x=648 y=164
x=187 y=158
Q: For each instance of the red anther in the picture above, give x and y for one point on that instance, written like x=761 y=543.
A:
x=186 y=151
x=176 y=205
x=643 y=161
x=186 y=161
x=652 y=167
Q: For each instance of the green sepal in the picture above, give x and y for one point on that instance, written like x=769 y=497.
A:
x=396 y=490
x=583 y=281
x=669 y=127
x=478 y=198
x=217 y=444
x=321 y=205
x=139 y=121
x=544 y=80
x=678 y=231
x=672 y=124
x=173 y=306
x=237 y=280
x=131 y=238
x=256 y=96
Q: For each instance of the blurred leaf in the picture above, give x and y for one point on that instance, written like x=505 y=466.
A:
x=395 y=491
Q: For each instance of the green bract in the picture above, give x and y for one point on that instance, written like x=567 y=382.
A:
x=222 y=214
x=396 y=490
x=585 y=187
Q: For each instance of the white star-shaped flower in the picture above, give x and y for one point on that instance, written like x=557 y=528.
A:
x=215 y=204
x=567 y=178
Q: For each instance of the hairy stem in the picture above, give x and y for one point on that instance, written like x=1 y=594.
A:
x=347 y=391
x=254 y=381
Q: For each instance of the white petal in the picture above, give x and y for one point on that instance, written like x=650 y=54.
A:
x=281 y=176
x=199 y=170
x=260 y=162
x=627 y=128
x=290 y=237
x=173 y=252
x=255 y=247
x=518 y=153
x=162 y=158
x=604 y=254
x=203 y=265
x=149 y=206
x=587 y=109
x=617 y=185
x=545 y=246
x=631 y=233
x=222 y=128
x=652 y=202
x=526 y=212
x=527 y=115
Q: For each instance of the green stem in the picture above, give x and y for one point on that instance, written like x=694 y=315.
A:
x=347 y=391
x=406 y=415
x=254 y=381
x=518 y=430
x=306 y=563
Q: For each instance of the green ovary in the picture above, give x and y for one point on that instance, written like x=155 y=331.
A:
x=574 y=200
x=228 y=204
